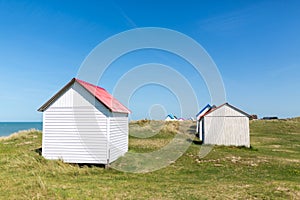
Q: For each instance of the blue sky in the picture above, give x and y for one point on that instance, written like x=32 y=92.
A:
x=255 y=44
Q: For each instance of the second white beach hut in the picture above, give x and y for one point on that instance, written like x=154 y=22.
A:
x=224 y=125
x=83 y=123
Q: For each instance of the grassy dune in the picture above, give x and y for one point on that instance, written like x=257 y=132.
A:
x=268 y=170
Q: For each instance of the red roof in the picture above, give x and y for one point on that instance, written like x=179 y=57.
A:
x=99 y=93
x=104 y=97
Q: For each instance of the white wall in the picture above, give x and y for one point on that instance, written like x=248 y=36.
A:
x=118 y=135
x=226 y=126
x=74 y=130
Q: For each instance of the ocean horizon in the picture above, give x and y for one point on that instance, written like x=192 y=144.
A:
x=8 y=128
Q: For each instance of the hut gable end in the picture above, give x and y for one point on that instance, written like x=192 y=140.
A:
x=83 y=123
x=224 y=125
x=96 y=94
x=77 y=97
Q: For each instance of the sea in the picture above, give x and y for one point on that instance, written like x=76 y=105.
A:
x=7 y=128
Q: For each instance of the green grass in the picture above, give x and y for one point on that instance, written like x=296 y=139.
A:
x=270 y=169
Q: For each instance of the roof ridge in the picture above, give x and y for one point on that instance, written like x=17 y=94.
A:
x=226 y=103
x=112 y=104
x=79 y=80
x=98 y=92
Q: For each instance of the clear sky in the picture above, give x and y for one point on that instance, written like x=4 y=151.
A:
x=255 y=44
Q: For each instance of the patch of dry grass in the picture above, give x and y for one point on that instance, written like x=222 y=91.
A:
x=148 y=144
x=22 y=134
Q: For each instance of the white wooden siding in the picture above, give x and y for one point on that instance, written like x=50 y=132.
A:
x=226 y=126
x=74 y=130
x=118 y=135
x=227 y=131
x=78 y=97
x=75 y=139
x=77 y=128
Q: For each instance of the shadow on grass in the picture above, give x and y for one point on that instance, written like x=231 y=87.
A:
x=81 y=165
x=38 y=150
x=88 y=165
x=196 y=142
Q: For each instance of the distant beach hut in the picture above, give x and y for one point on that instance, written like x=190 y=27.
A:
x=180 y=119
x=224 y=125
x=191 y=118
x=199 y=115
x=170 y=117
x=83 y=123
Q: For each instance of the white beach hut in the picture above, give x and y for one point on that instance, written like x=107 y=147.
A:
x=83 y=123
x=199 y=115
x=171 y=117
x=224 y=125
